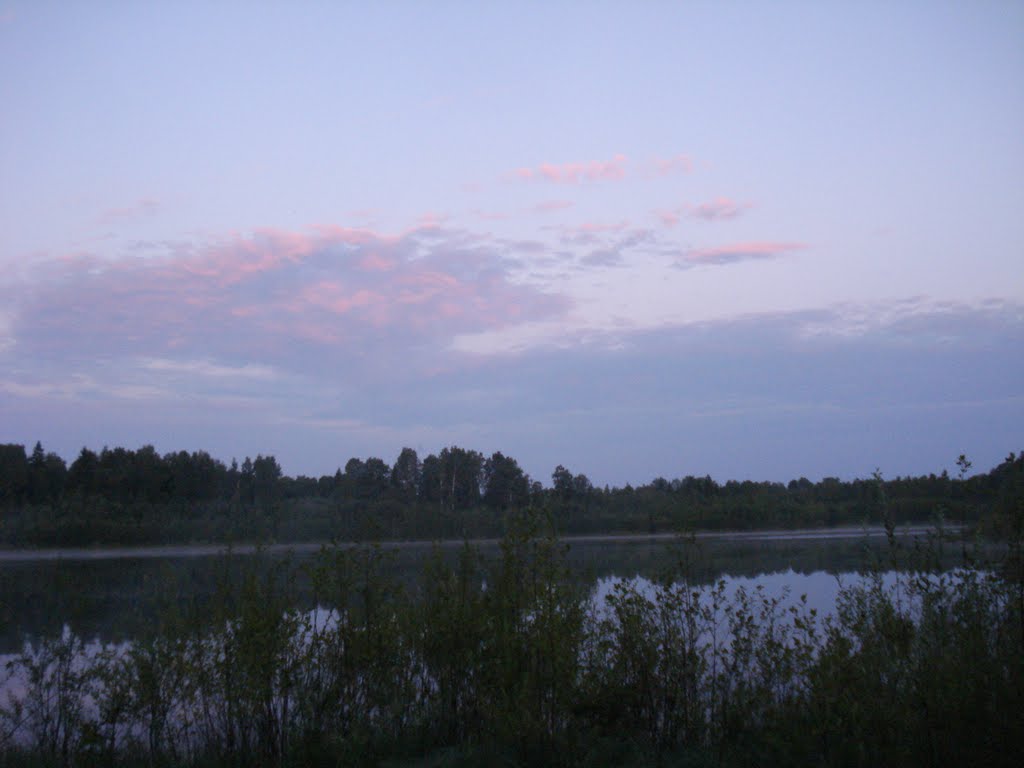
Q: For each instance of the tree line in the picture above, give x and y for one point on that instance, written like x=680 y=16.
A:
x=119 y=495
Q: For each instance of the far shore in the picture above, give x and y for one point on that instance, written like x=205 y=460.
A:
x=105 y=552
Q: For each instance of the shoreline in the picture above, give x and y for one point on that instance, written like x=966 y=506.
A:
x=103 y=552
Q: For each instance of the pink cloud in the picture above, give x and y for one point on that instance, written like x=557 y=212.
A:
x=718 y=209
x=374 y=262
x=576 y=173
x=240 y=257
x=332 y=296
x=731 y=254
x=668 y=218
x=267 y=296
x=348 y=235
x=317 y=333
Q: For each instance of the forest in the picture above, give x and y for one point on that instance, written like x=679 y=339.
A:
x=124 y=496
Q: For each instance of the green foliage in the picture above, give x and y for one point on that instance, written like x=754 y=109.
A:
x=534 y=637
x=121 y=496
x=14 y=474
x=505 y=662
x=451 y=642
x=505 y=484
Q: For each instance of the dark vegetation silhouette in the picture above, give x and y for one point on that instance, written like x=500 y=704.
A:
x=122 y=496
x=508 y=662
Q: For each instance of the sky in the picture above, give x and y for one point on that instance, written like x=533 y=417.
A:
x=750 y=240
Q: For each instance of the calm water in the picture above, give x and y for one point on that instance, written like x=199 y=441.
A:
x=115 y=594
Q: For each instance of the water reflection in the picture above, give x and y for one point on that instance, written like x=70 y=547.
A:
x=114 y=598
x=816 y=591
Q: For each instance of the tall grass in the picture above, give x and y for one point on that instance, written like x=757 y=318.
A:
x=507 y=662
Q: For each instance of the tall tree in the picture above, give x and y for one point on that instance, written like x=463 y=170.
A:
x=266 y=474
x=461 y=472
x=150 y=477
x=505 y=484
x=13 y=474
x=247 y=482
x=431 y=479
x=46 y=475
x=37 y=474
x=376 y=478
x=82 y=476
x=405 y=475
x=562 y=483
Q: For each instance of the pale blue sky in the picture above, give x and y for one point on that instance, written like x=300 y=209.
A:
x=751 y=239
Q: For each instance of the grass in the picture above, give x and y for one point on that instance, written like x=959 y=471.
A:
x=509 y=663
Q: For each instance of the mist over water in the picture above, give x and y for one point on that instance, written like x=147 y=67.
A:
x=113 y=595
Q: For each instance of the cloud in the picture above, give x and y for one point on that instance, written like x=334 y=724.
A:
x=588 y=233
x=615 y=169
x=668 y=217
x=916 y=319
x=719 y=209
x=66 y=388
x=524 y=247
x=755 y=396
x=6 y=330
x=576 y=173
x=275 y=298
x=614 y=254
x=737 y=252
x=603 y=257
x=374 y=262
x=209 y=368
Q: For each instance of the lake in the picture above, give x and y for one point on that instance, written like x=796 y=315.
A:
x=114 y=594
x=687 y=629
